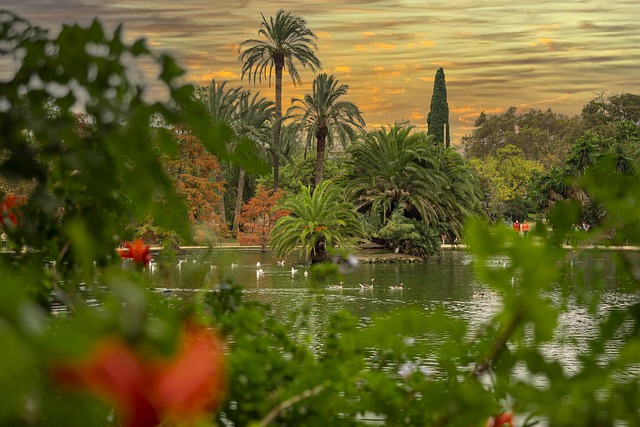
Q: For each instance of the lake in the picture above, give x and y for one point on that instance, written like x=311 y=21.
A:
x=448 y=281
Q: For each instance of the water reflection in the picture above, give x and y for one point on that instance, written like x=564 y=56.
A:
x=448 y=281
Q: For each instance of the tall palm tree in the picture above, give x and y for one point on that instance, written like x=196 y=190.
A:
x=287 y=146
x=326 y=117
x=248 y=117
x=317 y=222
x=287 y=40
x=221 y=103
x=254 y=115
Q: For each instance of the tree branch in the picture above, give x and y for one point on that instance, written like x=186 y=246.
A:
x=483 y=365
x=290 y=402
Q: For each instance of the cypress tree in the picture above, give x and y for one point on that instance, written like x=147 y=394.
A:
x=438 y=117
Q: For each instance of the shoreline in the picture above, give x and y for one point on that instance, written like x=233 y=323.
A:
x=369 y=255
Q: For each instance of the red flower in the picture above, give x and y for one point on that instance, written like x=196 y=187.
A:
x=124 y=253
x=114 y=373
x=192 y=381
x=182 y=388
x=500 y=420
x=137 y=251
x=9 y=211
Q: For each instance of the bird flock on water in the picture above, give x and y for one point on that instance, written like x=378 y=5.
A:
x=260 y=272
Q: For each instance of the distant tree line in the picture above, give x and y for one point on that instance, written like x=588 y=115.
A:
x=550 y=152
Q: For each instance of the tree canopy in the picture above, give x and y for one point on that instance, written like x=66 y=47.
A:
x=542 y=136
x=326 y=116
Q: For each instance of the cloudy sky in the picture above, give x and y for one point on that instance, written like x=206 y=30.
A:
x=495 y=53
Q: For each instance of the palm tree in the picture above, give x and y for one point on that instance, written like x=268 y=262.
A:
x=287 y=40
x=222 y=105
x=396 y=172
x=462 y=195
x=249 y=117
x=253 y=123
x=583 y=154
x=222 y=102
x=324 y=116
x=394 y=169
x=286 y=147
x=318 y=222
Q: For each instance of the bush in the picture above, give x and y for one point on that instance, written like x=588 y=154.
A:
x=410 y=236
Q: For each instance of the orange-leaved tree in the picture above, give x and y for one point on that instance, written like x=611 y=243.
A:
x=259 y=216
x=195 y=172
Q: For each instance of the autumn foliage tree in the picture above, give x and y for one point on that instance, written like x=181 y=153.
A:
x=259 y=216
x=194 y=171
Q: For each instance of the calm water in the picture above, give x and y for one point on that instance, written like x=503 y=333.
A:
x=448 y=281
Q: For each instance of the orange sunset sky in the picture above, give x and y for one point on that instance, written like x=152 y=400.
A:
x=495 y=53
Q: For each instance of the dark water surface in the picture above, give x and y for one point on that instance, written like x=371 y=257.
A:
x=448 y=281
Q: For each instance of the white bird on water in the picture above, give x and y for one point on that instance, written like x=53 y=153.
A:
x=306 y=273
x=258 y=264
x=281 y=263
x=259 y=272
x=293 y=270
x=367 y=285
x=397 y=287
x=339 y=286
x=477 y=295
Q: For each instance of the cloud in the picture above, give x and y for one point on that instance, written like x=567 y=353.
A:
x=225 y=74
x=538 y=54
x=445 y=64
x=422 y=43
x=342 y=69
x=384 y=73
x=543 y=41
x=543 y=101
x=375 y=46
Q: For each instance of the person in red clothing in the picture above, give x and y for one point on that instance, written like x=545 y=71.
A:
x=525 y=228
x=516 y=226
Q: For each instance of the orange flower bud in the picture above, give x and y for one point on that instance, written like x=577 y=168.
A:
x=191 y=383
x=181 y=388
x=114 y=373
x=138 y=251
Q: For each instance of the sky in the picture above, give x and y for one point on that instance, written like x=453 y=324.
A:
x=495 y=53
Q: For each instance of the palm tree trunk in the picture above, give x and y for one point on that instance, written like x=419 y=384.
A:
x=238 y=209
x=319 y=253
x=221 y=210
x=278 y=124
x=321 y=136
x=276 y=170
